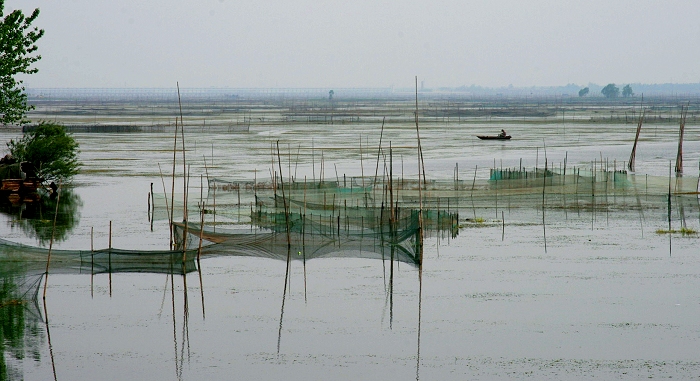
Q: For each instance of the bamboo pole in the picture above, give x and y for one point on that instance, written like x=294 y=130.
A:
x=420 y=193
x=201 y=232
x=167 y=208
x=185 y=178
x=53 y=234
x=420 y=149
x=376 y=169
x=284 y=199
x=187 y=224
x=544 y=185
x=303 y=239
x=630 y=164
x=362 y=167
x=679 y=156
x=391 y=187
x=172 y=191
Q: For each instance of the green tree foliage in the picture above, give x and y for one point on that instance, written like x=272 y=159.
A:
x=583 y=92
x=17 y=43
x=53 y=152
x=627 y=91
x=611 y=91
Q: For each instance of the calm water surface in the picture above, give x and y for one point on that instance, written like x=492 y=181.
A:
x=608 y=298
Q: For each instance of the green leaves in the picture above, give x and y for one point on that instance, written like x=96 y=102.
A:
x=17 y=43
x=53 y=152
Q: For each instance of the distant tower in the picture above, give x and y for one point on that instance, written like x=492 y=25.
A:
x=422 y=85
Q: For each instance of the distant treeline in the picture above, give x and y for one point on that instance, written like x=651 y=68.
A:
x=662 y=89
x=165 y=95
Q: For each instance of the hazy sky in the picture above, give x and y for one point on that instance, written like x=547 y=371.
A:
x=363 y=43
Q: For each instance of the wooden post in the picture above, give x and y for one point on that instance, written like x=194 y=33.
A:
x=284 y=198
x=53 y=234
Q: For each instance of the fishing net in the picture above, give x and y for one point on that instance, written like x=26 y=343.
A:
x=17 y=259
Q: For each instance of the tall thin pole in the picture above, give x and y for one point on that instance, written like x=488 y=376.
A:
x=420 y=193
x=630 y=164
x=284 y=200
x=53 y=234
x=172 y=191
x=379 y=151
x=362 y=168
x=185 y=177
x=679 y=156
x=420 y=149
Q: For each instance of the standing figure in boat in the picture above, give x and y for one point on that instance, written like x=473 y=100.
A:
x=502 y=134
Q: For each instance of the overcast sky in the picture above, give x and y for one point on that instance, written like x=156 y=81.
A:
x=363 y=43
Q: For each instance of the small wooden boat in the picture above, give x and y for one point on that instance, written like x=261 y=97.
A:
x=493 y=137
x=16 y=184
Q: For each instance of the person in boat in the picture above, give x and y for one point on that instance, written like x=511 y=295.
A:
x=54 y=190
x=502 y=134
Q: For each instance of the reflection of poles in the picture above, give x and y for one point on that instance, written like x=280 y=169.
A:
x=48 y=336
x=391 y=286
x=503 y=231
x=284 y=295
x=681 y=210
x=669 y=209
x=185 y=323
x=92 y=263
x=109 y=259
x=471 y=194
x=172 y=296
x=199 y=254
x=214 y=209
x=420 y=300
x=53 y=233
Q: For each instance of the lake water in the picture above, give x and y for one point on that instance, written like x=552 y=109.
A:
x=607 y=298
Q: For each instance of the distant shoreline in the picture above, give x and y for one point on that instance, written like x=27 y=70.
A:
x=566 y=91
